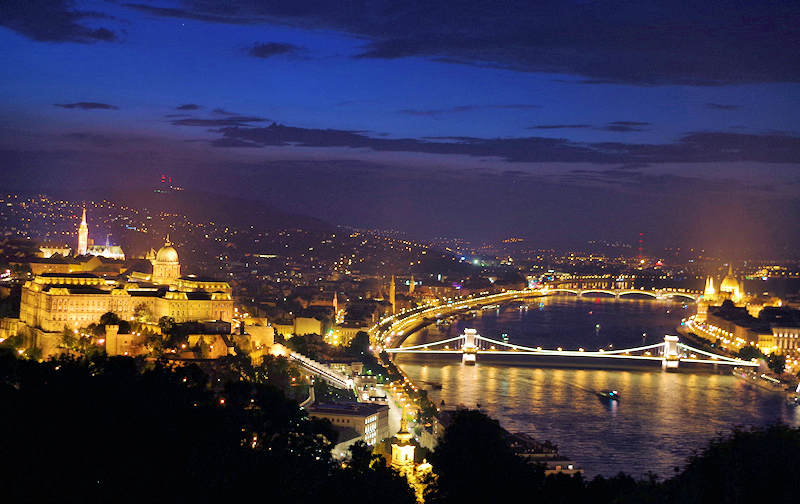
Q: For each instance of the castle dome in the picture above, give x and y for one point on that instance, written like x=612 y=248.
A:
x=167 y=253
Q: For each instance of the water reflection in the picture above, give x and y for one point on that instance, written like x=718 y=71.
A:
x=659 y=420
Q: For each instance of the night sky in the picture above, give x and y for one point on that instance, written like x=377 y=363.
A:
x=560 y=121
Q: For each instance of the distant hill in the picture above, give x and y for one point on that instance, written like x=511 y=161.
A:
x=223 y=209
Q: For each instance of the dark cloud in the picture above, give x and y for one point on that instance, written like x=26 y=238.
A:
x=270 y=49
x=52 y=21
x=693 y=147
x=641 y=43
x=559 y=126
x=625 y=126
x=86 y=106
x=198 y=15
x=466 y=108
x=188 y=106
x=235 y=120
x=722 y=106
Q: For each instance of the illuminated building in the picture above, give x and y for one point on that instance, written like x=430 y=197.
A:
x=402 y=447
x=83 y=236
x=166 y=267
x=729 y=289
x=732 y=287
x=52 y=302
x=367 y=422
x=85 y=246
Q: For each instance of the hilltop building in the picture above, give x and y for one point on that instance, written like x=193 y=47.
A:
x=54 y=301
x=86 y=247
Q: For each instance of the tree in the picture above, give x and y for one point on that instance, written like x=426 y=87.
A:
x=757 y=465
x=109 y=318
x=359 y=344
x=142 y=313
x=750 y=352
x=166 y=324
x=368 y=472
x=777 y=363
x=474 y=462
x=68 y=339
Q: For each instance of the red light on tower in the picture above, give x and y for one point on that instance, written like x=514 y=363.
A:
x=641 y=240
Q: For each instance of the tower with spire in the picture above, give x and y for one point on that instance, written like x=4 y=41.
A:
x=411 y=285
x=709 y=292
x=83 y=235
x=402 y=447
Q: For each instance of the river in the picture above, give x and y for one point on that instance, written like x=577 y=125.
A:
x=661 y=417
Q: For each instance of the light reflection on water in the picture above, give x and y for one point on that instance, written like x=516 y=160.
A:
x=659 y=421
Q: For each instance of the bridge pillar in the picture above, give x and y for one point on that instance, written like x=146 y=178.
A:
x=470 y=349
x=671 y=356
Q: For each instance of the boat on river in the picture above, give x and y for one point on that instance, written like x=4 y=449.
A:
x=609 y=395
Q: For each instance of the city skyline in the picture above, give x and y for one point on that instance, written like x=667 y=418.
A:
x=677 y=122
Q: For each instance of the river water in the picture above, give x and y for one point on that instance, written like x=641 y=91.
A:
x=661 y=417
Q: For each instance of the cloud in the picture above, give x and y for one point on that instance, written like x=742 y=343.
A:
x=721 y=106
x=87 y=106
x=692 y=147
x=188 y=106
x=235 y=120
x=465 y=108
x=52 y=21
x=625 y=126
x=270 y=49
x=559 y=126
x=711 y=43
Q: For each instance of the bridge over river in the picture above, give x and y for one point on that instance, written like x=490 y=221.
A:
x=390 y=333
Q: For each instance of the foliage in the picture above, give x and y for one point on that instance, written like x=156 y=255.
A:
x=109 y=318
x=475 y=445
x=750 y=352
x=369 y=473
x=757 y=465
x=310 y=345
x=777 y=363
x=129 y=434
x=142 y=313
x=166 y=324
x=359 y=344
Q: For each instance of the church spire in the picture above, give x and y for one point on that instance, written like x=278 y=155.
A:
x=83 y=235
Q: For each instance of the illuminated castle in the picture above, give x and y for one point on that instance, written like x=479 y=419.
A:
x=166 y=267
x=53 y=302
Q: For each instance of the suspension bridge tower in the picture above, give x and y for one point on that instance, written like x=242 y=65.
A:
x=470 y=349
x=671 y=356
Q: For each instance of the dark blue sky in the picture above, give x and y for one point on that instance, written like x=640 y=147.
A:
x=559 y=120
